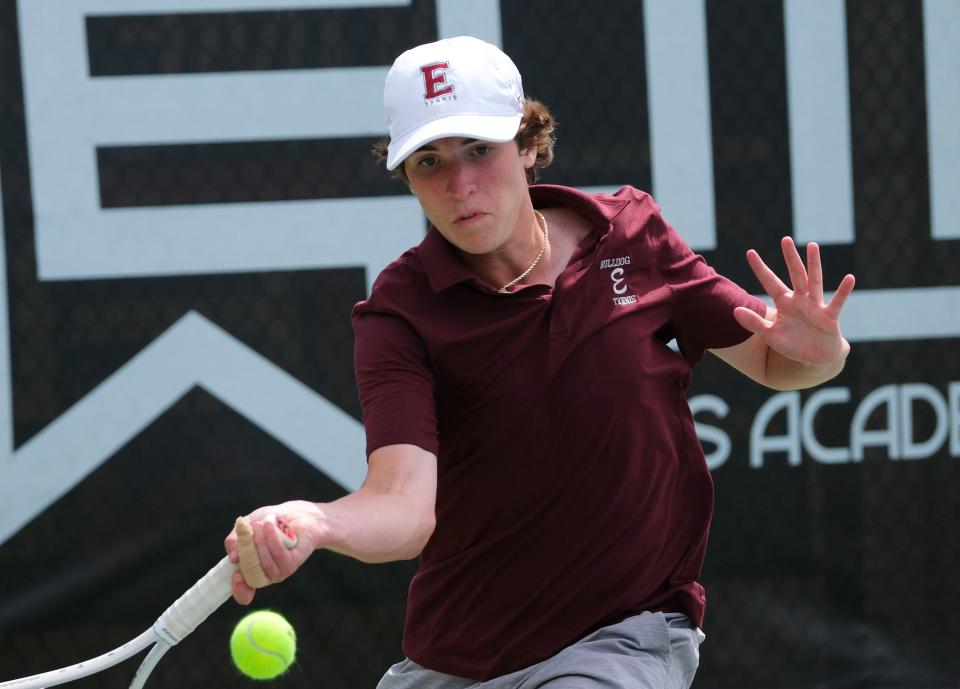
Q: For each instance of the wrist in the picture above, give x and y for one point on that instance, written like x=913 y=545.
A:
x=785 y=373
x=309 y=522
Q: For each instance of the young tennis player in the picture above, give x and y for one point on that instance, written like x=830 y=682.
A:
x=528 y=432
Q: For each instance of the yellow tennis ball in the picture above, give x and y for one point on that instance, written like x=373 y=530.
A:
x=263 y=645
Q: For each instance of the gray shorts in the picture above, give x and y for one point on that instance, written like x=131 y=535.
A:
x=647 y=651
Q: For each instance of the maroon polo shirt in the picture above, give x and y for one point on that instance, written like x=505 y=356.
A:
x=573 y=491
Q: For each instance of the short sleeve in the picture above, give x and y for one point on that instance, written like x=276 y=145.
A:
x=395 y=382
x=702 y=316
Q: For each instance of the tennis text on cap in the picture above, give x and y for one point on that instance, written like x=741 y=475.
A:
x=435 y=80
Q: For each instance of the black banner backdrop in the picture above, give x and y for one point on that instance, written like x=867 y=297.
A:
x=821 y=573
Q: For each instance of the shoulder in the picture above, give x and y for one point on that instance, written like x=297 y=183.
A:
x=630 y=199
x=630 y=194
x=403 y=273
x=639 y=208
x=626 y=210
x=396 y=285
x=638 y=219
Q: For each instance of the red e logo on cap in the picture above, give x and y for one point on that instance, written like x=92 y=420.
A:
x=435 y=80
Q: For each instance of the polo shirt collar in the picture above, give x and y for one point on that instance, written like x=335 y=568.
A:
x=440 y=263
x=444 y=269
x=600 y=209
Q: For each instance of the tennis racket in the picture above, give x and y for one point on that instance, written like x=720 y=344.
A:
x=177 y=621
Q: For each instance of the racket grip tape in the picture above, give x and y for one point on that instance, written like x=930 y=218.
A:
x=196 y=605
x=213 y=589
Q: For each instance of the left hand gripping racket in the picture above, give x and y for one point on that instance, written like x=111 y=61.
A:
x=177 y=621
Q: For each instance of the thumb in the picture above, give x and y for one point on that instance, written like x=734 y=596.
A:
x=750 y=320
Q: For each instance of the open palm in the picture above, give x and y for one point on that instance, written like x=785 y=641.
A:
x=804 y=327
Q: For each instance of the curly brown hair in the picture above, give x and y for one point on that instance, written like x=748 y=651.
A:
x=536 y=130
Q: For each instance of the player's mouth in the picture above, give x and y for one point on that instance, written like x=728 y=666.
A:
x=469 y=218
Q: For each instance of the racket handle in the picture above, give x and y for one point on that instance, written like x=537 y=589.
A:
x=196 y=605
x=208 y=594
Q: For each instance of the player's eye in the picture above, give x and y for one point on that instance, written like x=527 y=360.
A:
x=427 y=162
x=482 y=149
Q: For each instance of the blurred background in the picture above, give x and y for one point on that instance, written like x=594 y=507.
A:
x=189 y=212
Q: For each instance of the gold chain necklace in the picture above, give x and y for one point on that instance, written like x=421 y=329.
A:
x=546 y=242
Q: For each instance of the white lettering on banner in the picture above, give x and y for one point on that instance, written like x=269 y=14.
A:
x=861 y=437
x=821 y=165
x=818 y=400
x=897 y=405
x=954 y=415
x=941 y=30
x=818 y=105
x=911 y=393
x=478 y=18
x=77 y=239
x=678 y=105
x=760 y=443
x=711 y=434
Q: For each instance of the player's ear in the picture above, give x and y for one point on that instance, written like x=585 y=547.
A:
x=528 y=156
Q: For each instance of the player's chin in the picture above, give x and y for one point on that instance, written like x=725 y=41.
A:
x=474 y=244
x=475 y=240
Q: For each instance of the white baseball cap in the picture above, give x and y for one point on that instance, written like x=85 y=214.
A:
x=455 y=87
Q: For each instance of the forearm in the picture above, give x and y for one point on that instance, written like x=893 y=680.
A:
x=391 y=517
x=373 y=526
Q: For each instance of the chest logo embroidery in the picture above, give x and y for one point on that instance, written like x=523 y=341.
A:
x=619 y=283
x=617 y=276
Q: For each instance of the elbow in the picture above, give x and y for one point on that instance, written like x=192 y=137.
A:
x=420 y=537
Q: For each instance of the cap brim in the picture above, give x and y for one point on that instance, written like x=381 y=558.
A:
x=498 y=128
